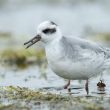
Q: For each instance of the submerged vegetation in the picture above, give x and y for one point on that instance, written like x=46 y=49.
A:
x=28 y=94
x=26 y=98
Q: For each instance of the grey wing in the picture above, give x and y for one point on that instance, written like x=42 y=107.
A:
x=79 y=49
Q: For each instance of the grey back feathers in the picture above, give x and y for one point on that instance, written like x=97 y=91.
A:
x=68 y=48
x=76 y=49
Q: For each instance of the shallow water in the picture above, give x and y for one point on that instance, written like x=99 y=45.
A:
x=33 y=78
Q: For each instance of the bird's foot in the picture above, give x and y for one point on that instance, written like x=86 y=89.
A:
x=86 y=87
x=67 y=85
x=101 y=85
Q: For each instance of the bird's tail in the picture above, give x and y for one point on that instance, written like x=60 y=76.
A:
x=107 y=59
x=107 y=50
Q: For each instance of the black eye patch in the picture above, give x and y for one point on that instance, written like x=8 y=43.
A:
x=49 y=31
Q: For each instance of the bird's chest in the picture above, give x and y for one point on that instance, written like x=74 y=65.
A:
x=53 y=54
x=56 y=63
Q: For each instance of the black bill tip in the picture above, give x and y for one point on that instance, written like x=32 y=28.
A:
x=32 y=41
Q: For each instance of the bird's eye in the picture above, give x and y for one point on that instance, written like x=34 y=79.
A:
x=49 y=31
x=46 y=31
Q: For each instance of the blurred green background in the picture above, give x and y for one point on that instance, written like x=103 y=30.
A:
x=89 y=19
x=19 y=20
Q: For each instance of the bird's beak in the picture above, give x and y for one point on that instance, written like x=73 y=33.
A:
x=32 y=41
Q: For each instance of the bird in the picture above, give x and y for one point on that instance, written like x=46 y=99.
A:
x=72 y=58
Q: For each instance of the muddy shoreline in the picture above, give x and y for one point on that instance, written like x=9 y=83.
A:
x=18 y=98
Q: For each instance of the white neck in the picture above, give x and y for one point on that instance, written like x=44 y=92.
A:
x=52 y=50
x=54 y=42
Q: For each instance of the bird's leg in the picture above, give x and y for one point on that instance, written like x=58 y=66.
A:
x=66 y=86
x=86 y=87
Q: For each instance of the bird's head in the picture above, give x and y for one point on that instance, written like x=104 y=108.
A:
x=46 y=32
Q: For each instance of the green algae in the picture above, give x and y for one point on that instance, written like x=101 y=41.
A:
x=13 y=107
x=28 y=94
x=25 y=99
